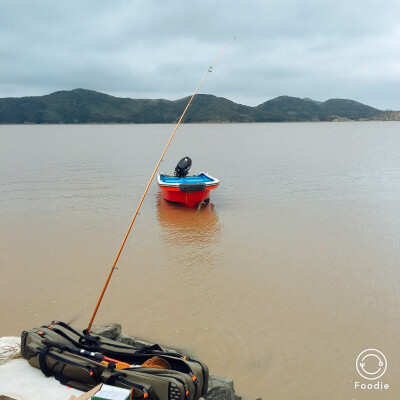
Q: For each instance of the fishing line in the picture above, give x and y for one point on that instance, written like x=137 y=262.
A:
x=209 y=69
x=255 y=53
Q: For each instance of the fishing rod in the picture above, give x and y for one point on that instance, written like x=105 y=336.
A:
x=85 y=353
x=153 y=362
x=209 y=69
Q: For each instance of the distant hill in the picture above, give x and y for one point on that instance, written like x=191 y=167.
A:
x=286 y=108
x=86 y=106
x=349 y=109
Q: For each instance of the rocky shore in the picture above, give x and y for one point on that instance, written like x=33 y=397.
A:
x=389 y=116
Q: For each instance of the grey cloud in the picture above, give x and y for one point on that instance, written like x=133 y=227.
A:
x=153 y=48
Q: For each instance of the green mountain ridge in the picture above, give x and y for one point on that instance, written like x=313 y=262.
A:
x=88 y=106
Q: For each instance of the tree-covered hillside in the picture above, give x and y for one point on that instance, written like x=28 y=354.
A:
x=86 y=106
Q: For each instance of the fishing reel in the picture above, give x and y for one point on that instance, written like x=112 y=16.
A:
x=183 y=166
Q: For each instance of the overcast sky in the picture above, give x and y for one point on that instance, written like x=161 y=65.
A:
x=161 y=48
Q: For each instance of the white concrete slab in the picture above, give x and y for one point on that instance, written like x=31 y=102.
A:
x=22 y=382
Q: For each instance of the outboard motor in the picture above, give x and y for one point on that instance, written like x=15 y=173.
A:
x=183 y=166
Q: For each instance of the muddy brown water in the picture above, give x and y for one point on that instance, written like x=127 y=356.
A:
x=279 y=283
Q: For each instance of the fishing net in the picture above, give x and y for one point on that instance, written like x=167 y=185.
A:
x=10 y=347
x=156 y=362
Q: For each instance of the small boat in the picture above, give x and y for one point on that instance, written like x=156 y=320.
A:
x=187 y=190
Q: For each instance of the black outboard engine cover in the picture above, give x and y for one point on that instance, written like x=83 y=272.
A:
x=182 y=169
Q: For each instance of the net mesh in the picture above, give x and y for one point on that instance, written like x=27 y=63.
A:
x=156 y=362
x=10 y=348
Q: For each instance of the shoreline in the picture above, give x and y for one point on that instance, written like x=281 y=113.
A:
x=198 y=123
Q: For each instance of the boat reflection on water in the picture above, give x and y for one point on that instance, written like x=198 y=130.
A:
x=197 y=227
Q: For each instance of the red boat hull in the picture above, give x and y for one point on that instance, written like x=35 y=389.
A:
x=189 y=199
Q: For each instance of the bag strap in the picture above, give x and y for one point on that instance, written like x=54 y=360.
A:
x=157 y=349
x=149 y=349
x=46 y=370
x=42 y=361
x=112 y=378
x=93 y=343
x=86 y=339
x=85 y=336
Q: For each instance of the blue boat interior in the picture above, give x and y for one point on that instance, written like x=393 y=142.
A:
x=201 y=178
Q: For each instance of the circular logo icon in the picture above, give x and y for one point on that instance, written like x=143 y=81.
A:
x=371 y=364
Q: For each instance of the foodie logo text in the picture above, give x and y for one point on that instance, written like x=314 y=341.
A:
x=371 y=364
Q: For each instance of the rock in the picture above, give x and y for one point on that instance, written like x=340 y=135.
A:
x=220 y=389
x=340 y=119
x=138 y=343
x=131 y=341
x=389 y=116
x=125 y=339
x=109 y=331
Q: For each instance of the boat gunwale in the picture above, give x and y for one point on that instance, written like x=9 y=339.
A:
x=213 y=182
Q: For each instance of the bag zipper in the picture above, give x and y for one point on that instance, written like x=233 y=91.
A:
x=146 y=394
x=69 y=362
x=180 y=381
